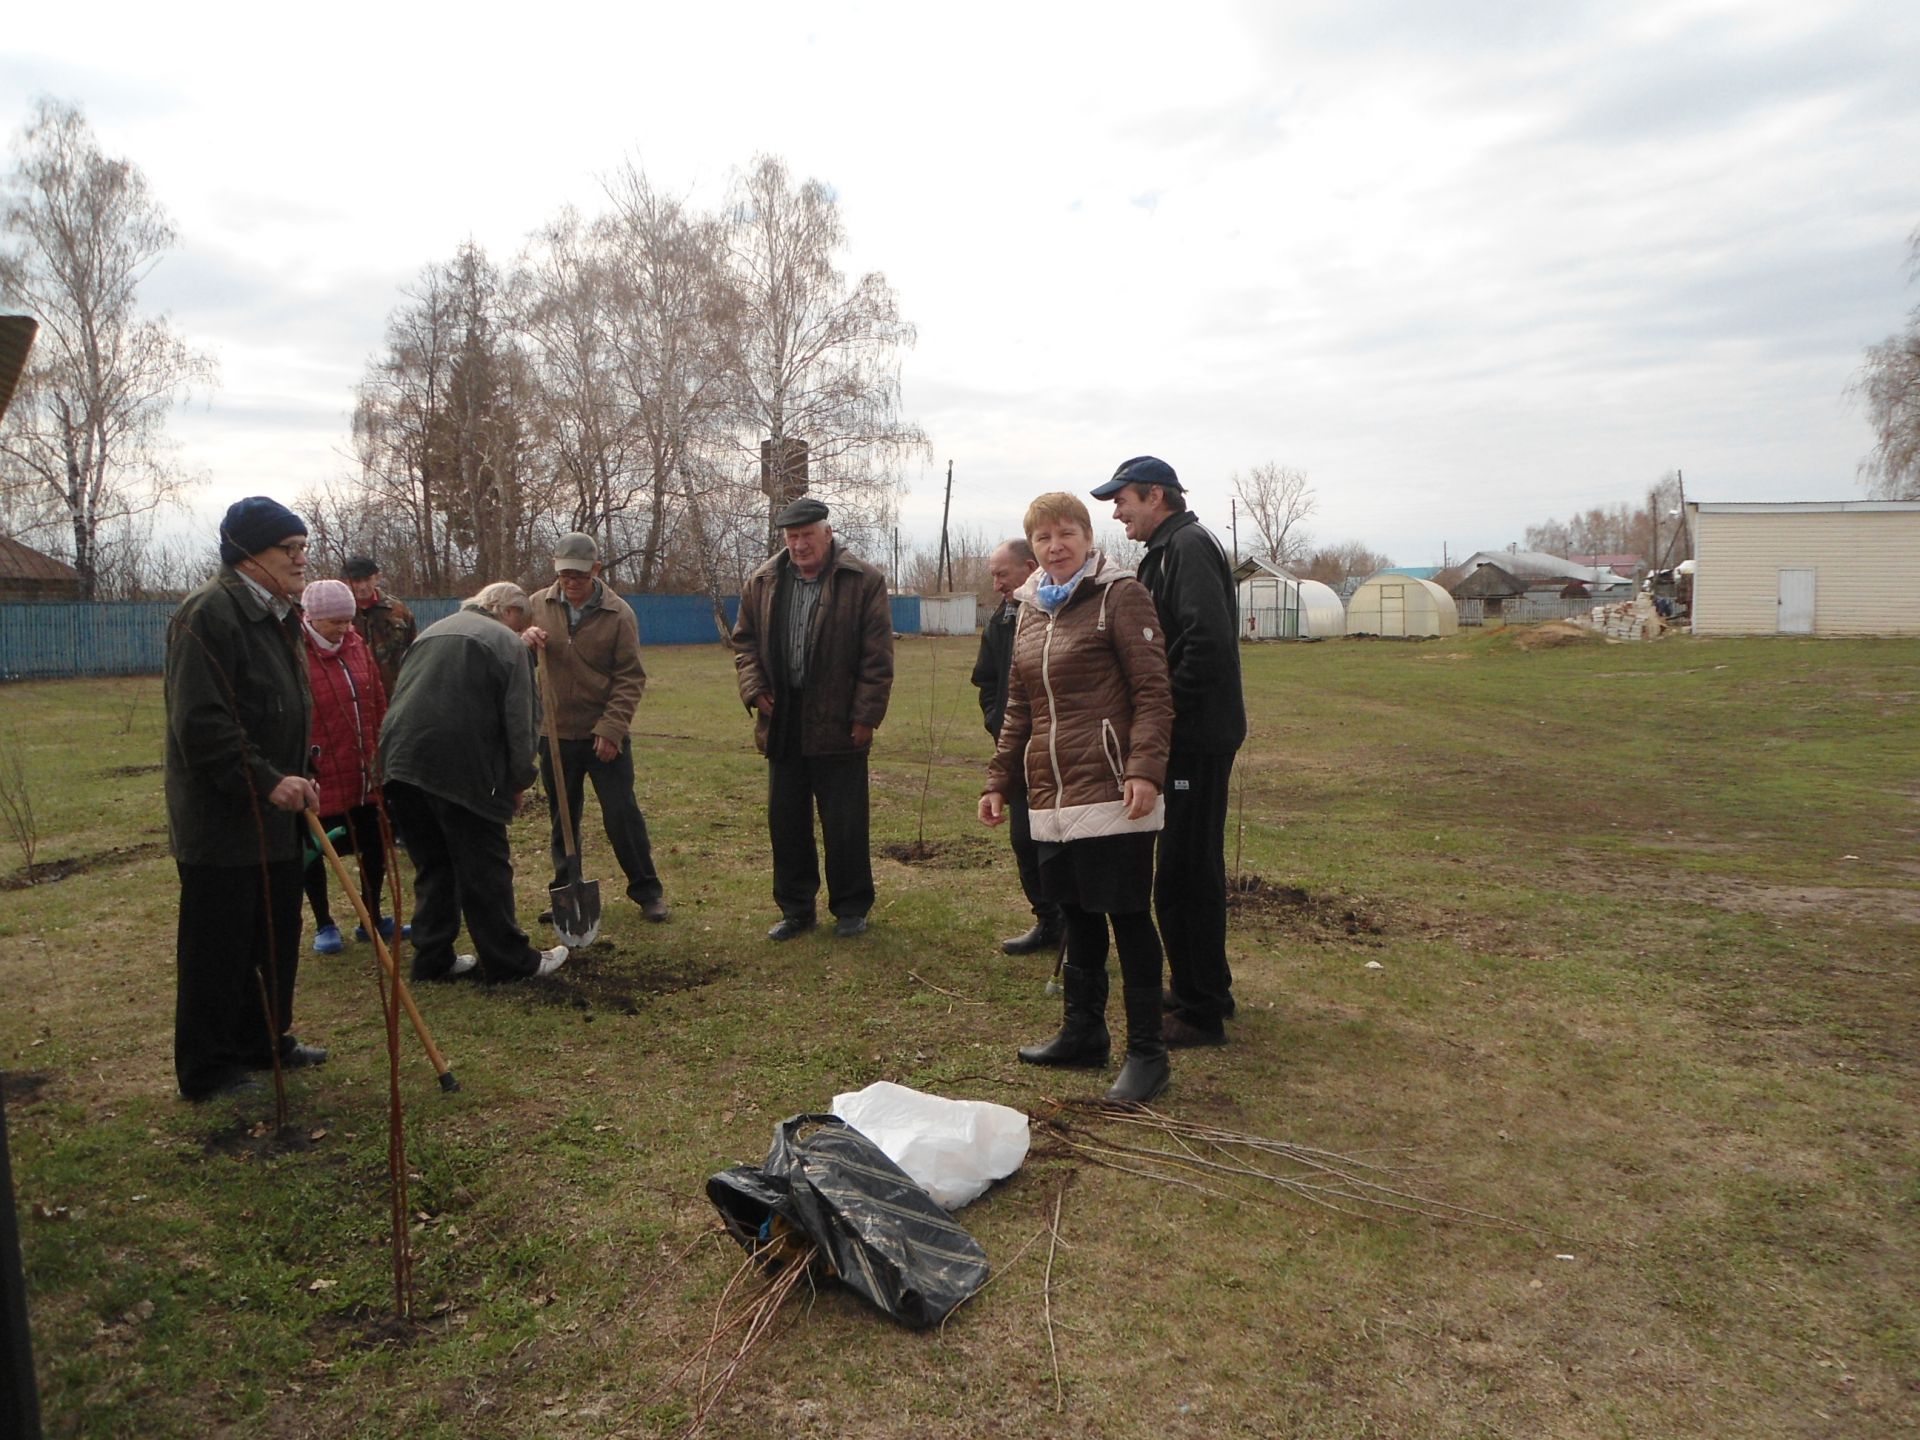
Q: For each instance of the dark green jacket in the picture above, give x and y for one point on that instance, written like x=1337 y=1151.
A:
x=238 y=720
x=460 y=725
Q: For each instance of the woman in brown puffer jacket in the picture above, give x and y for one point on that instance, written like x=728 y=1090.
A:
x=1089 y=714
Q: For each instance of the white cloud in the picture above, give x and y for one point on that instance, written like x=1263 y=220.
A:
x=1469 y=266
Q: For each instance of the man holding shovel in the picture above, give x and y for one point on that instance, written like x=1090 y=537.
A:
x=590 y=645
x=238 y=717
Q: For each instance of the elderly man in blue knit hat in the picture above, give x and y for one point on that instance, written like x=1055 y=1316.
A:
x=238 y=720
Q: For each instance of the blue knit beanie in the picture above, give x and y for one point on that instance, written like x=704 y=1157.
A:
x=253 y=524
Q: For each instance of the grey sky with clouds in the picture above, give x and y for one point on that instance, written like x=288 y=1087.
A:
x=1468 y=266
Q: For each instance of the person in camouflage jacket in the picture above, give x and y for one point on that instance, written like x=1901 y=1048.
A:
x=385 y=624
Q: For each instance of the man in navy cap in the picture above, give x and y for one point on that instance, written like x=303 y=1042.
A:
x=814 y=648
x=1191 y=581
x=238 y=720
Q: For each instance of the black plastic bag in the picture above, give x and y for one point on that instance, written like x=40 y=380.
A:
x=878 y=1231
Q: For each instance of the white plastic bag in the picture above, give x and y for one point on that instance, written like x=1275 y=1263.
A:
x=953 y=1149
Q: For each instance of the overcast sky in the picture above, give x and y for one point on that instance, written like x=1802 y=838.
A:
x=1469 y=266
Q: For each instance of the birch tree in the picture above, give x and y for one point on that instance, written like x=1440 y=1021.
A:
x=83 y=449
x=1277 y=499
x=1889 y=384
x=818 y=358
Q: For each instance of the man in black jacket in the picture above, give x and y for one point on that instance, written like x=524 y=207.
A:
x=238 y=720
x=1009 y=566
x=1191 y=581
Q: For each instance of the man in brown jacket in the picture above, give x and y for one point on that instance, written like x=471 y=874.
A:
x=814 y=648
x=592 y=647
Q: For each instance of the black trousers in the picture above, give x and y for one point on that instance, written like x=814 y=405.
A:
x=239 y=932
x=362 y=824
x=1026 y=854
x=836 y=785
x=1190 y=886
x=1133 y=935
x=463 y=868
x=619 y=812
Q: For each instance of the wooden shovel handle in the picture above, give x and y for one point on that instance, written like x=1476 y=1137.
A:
x=440 y=1065
x=553 y=753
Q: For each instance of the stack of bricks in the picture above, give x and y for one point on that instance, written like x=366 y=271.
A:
x=1636 y=619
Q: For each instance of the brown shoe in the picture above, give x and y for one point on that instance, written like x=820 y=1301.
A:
x=1181 y=1033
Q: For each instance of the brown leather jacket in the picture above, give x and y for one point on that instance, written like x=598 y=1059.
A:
x=596 y=672
x=849 y=653
x=1088 y=706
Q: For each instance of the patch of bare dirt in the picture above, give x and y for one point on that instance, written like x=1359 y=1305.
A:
x=964 y=853
x=46 y=872
x=23 y=1086
x=1857 y=904
x=120 y=771
x=606 y=976
x=1320 y=917
x=260 y=1140
x=1864 y=904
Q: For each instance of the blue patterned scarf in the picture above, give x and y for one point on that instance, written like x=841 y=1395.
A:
x=1051 y=597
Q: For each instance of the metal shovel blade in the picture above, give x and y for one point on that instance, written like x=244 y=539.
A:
x=576 y=911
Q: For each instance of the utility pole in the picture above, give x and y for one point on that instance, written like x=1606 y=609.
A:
x=945 y=563
x=1234 y=511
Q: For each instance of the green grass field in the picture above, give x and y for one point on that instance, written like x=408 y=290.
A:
x=1646 y=922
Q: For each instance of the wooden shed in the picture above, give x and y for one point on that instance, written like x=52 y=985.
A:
x=1818 y=567
x=26 y=574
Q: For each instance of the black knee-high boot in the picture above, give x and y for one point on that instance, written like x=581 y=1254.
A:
x=1145 y=1072
x=1083 y=1038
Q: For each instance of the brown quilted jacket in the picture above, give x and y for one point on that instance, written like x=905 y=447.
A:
x=1088 y=706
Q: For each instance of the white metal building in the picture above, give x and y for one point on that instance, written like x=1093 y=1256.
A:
x=1277 y=606
x=948 y=615
x=1401 y=605
x=1818 y=567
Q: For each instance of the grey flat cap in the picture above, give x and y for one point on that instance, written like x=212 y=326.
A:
x=804 y=511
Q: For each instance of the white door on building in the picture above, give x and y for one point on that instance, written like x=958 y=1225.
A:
x=1796 y=602
x=1393 y=610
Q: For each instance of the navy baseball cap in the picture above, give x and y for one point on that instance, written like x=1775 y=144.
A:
x=1141 y=470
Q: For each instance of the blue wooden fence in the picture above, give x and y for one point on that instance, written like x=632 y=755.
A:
x=46 y=640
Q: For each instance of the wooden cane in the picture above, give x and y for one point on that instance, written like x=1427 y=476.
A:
x=447 y=1082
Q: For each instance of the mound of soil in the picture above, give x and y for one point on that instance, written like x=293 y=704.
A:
x=1553 y=635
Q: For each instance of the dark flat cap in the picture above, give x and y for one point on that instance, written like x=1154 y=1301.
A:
x=804 y=511
x=1141 y=470
x=360 y=567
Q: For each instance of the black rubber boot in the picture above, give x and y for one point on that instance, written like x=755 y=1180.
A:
x=1145 y=1072
x=1083 y=1038
x=1042 y=936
